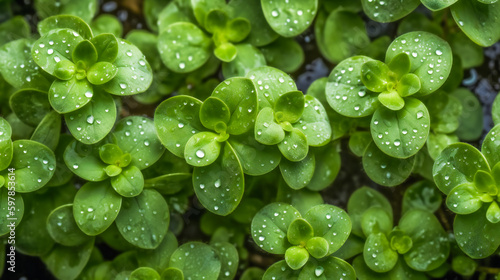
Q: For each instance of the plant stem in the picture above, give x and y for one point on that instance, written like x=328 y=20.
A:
x=489 y=270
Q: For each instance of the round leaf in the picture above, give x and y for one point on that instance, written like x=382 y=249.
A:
x=270 y=84
x=378 y=253
x=94 y=121
x=71 y=95
x=430 y=56
x=101 y=73
x=391 y=10
x=248 y=57
x=261 y=33
x=345 y=92
x=491 y=146
x=129 y=182
x=202 y=149
x=30 y=105
x=196 y=260
x=95 y=207
x=84 y=161
x=137 y=136
x=68 y=262
x=143 y=220
x=184 y=47
x=213 y=111
x=328 y=268
x=62 y=227
x=294 y=146
x=270 y=226
x=297 y=174
x=290 y=18
x=401 y=134
x=176 y=120
x=285 y=54
x=386 y=170
x=267 y=131
x=220 y=185
x=314 y=123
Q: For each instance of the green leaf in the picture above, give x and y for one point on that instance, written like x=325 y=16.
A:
x=317 y=247
x=326 y=168
x=159 y=257
x=65 y=70
x=191 y=44
x=84 y=161
x=376 y=76
x=400 y=271
x=68 y=262
x=495 y=111
x=294 y=146
x=291 y=18
x=296 y=257
x=400 y=65
x=96 y=207
x=106 y=46
x=422 y=195
x=491 y=146
x=48 y=131
x=378 y=253
x=19 y=69
x=83 y=9
x=6 y=148
x=261 y=34
x=17 y=27
x=101 y=73
x=256 y=159
x=471 y=120
x=336 y=44
x=464 y=265
x=331 y=223
x=62 y=174
x=237 y=29
x=270 y=84
x=30 y=105
x=430 y=242
x=229 y=259
x=33 y=163
x=202 y=149
x=62 y=227
x=328 y=268
x=484 y=182
x=71 y=95
x=169 y=183
x=393 y=131
x=144 y=273
x=386 y=170
x=248 y=58
x=65 y=21
x=241 y=98
x=53 y=47
x=172 y=273
x=8 y=214
x=299 y=232
x=85 y=52
x=196 y=260
x=214 y=111
x=226 y=52
x=436 y=143
x=298 y=174
x=134 y=72
x=470 y=54
x=220 y=185
x=392 y=9
x=270 y=226
x=285 y=54
x=267 y=130
x=445 y=111
x=493 y=213
x=91 y=123
x=375 y=220
x=280 y=270
x=452 y=167
x=202 y=8
x=480 y=242
x=362 y=200
x=391 y=100
x=408 y=85
x=359 y=141
x=436 y=5
x=175 y=120
x=345 y=92
x=477 y=19
x=137 y=136
x=430 y=56
x=106 y=23
x=289 y=107
x=110 y=154
x=129 y=182
x=143 y=220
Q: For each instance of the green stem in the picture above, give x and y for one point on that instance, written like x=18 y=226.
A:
x=489 y=270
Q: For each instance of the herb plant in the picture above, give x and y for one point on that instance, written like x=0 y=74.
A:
x=249 y=139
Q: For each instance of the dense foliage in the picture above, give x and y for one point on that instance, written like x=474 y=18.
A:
x=98 y=190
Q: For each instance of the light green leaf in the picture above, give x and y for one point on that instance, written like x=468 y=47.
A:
x=328 y=268
x=298 y=174
x=84 y=9
x=378 y=254
x=248 y=57
x=129 y=182
x=256 y=159
x=270 y=84
x=101 y=73
x=214 y=111
x=71 y=95
x=289 y=107
x=62 y=227
x=202 y=149
x=84 y=161
x=267 y=131
x=491 y=146
x=291 y=18
x=65 y=21
x=294 y=146
x=392 y=10
x=196 y=260
x=477 y=20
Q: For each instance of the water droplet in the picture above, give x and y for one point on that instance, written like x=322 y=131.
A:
x=75 y=166
x=319 y=271
x=274 y=13
x=217 y=183
x=90 y=119
x=420 y=114
x=200 y=154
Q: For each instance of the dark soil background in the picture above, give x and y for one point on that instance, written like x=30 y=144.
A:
x=484 y=81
